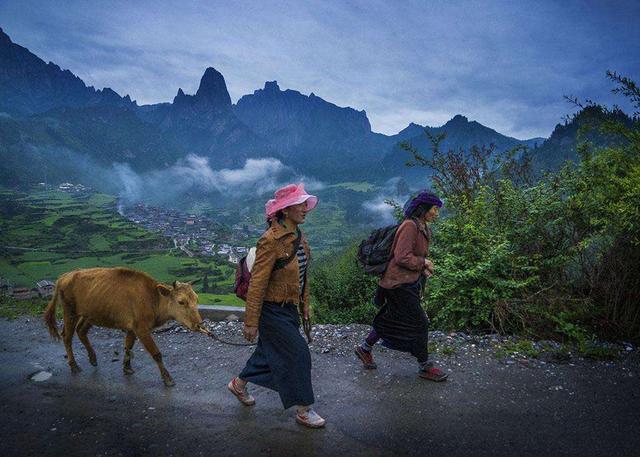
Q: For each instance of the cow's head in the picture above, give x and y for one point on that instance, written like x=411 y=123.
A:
x=182 y=304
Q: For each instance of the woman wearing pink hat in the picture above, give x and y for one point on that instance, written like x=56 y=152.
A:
x=281 y=360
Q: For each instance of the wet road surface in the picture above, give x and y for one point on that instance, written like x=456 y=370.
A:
x=487 y=407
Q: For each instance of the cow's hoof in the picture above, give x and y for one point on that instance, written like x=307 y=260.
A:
x=93 y=361
x=128 y=370
x=75 y=369
x=169 y=382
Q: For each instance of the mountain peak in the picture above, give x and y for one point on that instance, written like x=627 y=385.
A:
x=4 y=38
x=180 y=97
x=458 y=119
x=213 y=88
x=410 y=130
x=271 y=86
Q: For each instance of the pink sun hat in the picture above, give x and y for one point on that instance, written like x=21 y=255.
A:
x=292 y=194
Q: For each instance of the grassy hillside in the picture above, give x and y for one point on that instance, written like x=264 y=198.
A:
x=46 y=233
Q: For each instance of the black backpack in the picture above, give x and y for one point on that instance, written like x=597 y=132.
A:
x=374 y=253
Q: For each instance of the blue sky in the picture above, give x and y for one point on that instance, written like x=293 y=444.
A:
x=506 y=64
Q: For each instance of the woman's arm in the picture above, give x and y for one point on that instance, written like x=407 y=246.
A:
x=266 y=255
x=406 y=238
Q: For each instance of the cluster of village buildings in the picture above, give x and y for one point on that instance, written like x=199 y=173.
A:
x=73 y=188
x=67 y=187
x=195 y=235
x=42 y=289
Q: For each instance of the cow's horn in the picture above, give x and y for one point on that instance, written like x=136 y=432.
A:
x=195 y=281
x=175 y=284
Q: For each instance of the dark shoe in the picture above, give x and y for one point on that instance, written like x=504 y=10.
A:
x=366 y=358
x=433 y=374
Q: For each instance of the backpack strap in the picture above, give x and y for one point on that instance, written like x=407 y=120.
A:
x=281 y=263
x=393 y=246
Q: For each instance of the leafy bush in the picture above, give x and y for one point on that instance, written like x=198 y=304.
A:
x=558 y=256
x=342 y=291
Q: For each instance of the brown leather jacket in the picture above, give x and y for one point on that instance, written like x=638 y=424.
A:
x=410 y=248
x=279 y=286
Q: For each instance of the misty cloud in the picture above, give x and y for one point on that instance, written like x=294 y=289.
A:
x=131 y=182
x=380 y=210
x=310 y=184
x=189 y=180
x=393 y=190
x=194 y=175
x=260 y=174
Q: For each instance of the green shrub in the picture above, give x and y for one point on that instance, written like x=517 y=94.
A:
x=557 y=256
x=342 y=292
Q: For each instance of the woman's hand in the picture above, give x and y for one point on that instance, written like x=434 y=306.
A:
x=249 y=332
x=428 y=267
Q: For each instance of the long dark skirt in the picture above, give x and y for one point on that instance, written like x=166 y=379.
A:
x=401 y=322
x=281 y=360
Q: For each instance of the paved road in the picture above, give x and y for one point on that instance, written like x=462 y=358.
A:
x=486 y=408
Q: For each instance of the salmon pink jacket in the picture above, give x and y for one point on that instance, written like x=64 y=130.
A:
x=410 y=248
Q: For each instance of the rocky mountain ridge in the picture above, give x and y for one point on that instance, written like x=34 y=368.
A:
x=54 y=108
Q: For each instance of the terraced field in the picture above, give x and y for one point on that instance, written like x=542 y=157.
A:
x=46 y=233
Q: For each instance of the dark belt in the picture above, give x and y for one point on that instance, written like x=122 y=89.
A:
x=281 y=304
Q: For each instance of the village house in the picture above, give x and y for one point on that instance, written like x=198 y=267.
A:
x=45 y=288
x=21 y=293
x=69 y=187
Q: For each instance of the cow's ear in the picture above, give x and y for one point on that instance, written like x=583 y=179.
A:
x=164 y=290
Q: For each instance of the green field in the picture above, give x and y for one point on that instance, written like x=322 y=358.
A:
x=218 y=299
x=58 y=232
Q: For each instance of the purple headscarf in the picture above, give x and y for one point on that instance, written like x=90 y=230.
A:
x=422 y=198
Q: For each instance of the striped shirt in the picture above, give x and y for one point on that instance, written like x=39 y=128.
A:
x=302 y=266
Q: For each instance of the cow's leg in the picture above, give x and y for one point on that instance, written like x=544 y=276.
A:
x=151 y=347
x=82 y=328
x=70 y=320
x=129 y=340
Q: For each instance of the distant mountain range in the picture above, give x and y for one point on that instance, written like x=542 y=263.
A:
x=28 y=85
x=54 y=127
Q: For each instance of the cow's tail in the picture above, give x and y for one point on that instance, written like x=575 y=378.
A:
x=50 y=314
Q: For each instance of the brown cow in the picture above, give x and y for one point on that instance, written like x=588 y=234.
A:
x=120 y=298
